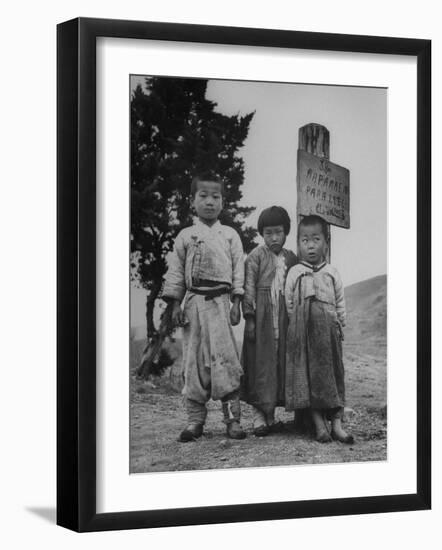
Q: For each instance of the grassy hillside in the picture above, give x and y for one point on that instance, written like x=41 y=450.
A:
x=366 y=303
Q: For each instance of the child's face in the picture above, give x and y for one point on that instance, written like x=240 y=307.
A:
x=208 y=201
x=312 y=243
x=274 y=237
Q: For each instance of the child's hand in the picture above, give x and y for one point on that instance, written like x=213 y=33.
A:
x=178 y=318
x=250 y=329
x=235 y=315
x=340 y=330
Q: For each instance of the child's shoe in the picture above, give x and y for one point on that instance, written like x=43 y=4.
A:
x=277 y=427
x=192 y=432
x=234 y=430
x=232 y=415
x=261 y=431
x=261 y=423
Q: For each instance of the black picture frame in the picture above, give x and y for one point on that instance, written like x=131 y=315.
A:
x=76 y=273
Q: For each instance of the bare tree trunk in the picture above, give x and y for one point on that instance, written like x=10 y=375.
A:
x=155 y=338
x=150 y=306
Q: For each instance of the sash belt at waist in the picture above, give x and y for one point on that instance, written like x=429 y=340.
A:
x=210 y=294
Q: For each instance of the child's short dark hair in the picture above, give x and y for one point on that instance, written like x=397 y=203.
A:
x=208 y=175
x=315 y=220
x=274 y=215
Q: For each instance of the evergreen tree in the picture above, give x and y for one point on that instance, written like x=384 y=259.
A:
x=176 y=133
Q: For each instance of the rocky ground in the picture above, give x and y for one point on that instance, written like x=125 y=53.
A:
x=157 y=416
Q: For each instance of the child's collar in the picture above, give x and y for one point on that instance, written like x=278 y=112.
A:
x=314 y=268
x=216 y=225
x=280 y=253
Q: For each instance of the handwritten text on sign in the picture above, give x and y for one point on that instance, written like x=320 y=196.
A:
x=323 y=189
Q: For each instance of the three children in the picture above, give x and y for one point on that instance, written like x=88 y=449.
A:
x=294 y=314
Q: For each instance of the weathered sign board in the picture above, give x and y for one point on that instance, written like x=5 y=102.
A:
x=323 y=189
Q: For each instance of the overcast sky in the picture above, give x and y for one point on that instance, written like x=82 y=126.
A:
x=357 y=121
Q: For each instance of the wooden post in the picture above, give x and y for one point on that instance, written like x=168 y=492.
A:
x=315 y=139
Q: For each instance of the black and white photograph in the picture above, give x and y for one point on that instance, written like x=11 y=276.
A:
x=258 y=274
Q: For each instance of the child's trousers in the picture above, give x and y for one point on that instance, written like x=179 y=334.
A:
x=197 y=412
x=211 y=362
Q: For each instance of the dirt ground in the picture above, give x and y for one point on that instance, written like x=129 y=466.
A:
x=157 y=417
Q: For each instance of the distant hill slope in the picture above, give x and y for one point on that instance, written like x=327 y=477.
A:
x=366 y=303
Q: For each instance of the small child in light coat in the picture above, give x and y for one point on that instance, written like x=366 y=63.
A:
x=207 y=270
x=314 y=295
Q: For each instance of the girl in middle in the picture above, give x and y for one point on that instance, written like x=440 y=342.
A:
x=265 y=315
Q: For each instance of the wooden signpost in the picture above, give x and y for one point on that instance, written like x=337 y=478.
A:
x=323 y=188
